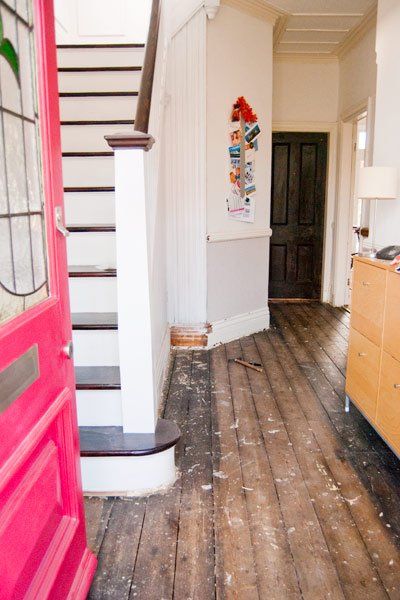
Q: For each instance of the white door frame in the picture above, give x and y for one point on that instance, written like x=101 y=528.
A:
x=343 y=216
x=330 y=201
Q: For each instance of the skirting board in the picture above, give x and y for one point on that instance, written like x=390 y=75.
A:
x=238 y=326
x=162 y=363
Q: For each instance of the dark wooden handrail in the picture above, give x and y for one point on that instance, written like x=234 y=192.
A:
x=146 y=86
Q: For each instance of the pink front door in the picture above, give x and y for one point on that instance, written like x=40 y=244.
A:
x=43 y=552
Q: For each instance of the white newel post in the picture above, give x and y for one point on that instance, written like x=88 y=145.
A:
x=134 y=316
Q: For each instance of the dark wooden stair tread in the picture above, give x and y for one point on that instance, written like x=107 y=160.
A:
x=97 y=378
x=91 y=271
x=99 y=46
x=87 y=154
x=87 y=320
x=101 y=188
x=112 y=441
x=99 y=227
x=97 y=94
x=101 y=122
x=97 y=69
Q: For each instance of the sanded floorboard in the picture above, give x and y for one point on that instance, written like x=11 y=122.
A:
x=280 y=495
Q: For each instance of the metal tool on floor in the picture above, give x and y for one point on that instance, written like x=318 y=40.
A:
x=248 y=364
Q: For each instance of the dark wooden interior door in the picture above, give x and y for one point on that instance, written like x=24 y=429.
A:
x=297 y=214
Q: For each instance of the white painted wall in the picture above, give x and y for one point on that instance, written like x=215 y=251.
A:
x=357 y=74
x=305 y=90
x=92 y=21
x=237 y=277
x=387 y=114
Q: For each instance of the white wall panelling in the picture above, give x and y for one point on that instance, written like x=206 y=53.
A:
x=186 y=172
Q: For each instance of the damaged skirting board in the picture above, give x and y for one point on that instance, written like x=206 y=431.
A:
x=238 y=326
x=189 y=336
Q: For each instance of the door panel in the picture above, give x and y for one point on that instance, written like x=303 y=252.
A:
x=297 y=214
x=43 y=551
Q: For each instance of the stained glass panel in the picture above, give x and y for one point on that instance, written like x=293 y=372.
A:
x=23 y=264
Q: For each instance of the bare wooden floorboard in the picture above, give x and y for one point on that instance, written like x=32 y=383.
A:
x=161 y=523
x=281 y=494
x=358 y=576
x=276 y=575
x=194 y=570
x=235 y=567
x=118 y=550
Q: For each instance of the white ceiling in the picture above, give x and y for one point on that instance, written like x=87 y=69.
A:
x=319 y=27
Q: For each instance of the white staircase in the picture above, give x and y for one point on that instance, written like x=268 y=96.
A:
x=99 y=87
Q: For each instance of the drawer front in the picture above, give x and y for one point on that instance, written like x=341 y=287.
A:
x=388 y=414
x=363 y=373
x=368 y=300
x=391 y=330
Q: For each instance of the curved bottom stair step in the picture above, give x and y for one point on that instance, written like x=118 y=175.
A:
x=112 y=441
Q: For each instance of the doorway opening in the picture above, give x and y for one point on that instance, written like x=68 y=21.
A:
x=298 y=198
x=357 y=231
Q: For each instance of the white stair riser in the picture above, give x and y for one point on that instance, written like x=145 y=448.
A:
x=89 y=138
x=99 y=81
x=91 y=248
x=97 y=408
x=89 y=207
x=95 y=347
x=100 y=57
x=92 y=171
x=97 y=108
x=128 y=475
x=93 y=294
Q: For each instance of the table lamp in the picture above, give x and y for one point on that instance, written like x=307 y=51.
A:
x=377 y=183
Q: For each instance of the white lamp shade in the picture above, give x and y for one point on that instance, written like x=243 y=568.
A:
x=379 y=183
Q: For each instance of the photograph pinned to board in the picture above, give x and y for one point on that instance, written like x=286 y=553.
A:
x=244 y=131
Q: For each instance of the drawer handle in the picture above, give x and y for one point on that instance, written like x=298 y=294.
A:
x=362 y=354
x=365 y=283
x=396 y=386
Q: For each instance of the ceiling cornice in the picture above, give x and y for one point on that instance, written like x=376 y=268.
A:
x=257 y=8
x=305 y=57
x=358 y=32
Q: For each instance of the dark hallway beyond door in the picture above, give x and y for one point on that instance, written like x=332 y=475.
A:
x=297 y=214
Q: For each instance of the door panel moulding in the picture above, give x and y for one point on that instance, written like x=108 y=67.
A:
x=331 y=129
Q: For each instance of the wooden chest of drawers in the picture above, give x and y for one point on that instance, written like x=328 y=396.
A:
x=373 y=368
